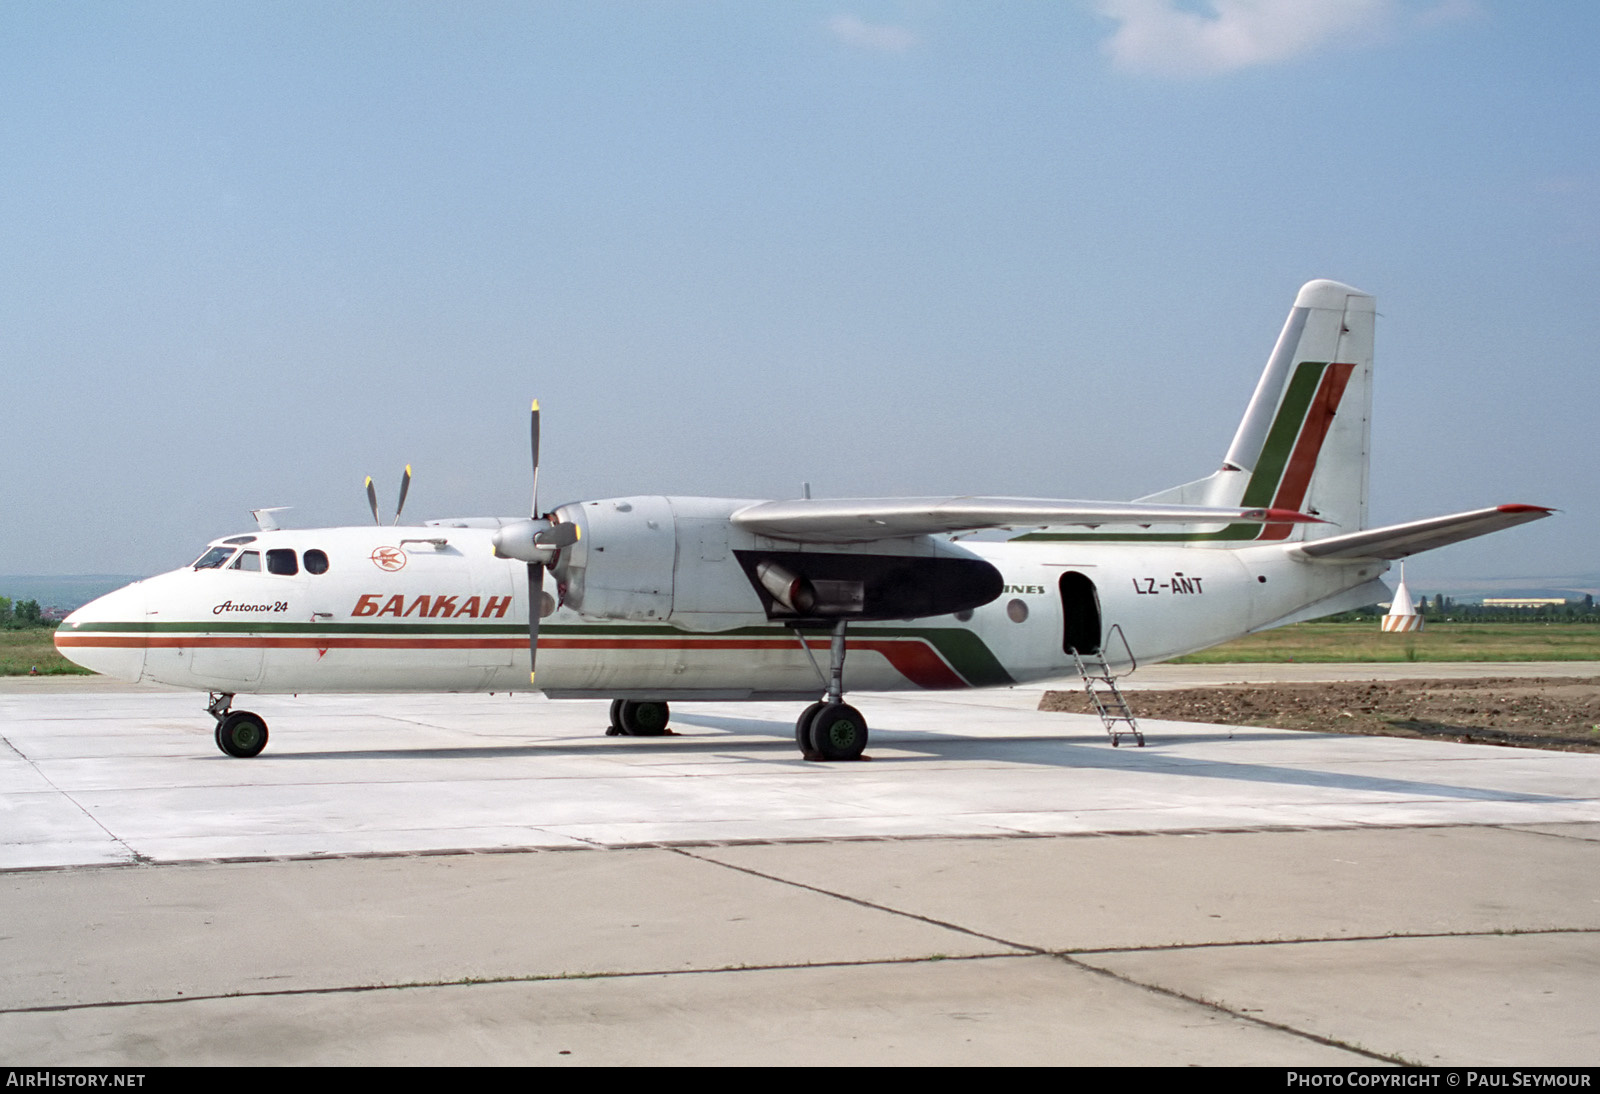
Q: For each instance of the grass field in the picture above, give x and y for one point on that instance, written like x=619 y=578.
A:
x=20 y=651
x=1440 y=642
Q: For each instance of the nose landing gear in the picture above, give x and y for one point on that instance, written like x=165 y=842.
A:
x=240 y=733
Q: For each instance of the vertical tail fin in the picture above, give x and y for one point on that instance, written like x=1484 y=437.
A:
x=1304 y=440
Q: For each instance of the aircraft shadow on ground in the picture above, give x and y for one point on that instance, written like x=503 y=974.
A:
x=920 y=746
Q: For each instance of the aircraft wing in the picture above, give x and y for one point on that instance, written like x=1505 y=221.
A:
x=862 y=520
x=1399 y=540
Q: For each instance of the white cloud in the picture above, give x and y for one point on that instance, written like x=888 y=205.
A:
x=1157 y=36
x=857 y=32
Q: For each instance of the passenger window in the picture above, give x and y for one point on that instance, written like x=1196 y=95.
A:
x=281 y=561
x=316 y=562
x=214 y=558
x=247 y=560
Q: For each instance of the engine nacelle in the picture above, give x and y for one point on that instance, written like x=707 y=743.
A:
x=680 y=560
x=621 y=565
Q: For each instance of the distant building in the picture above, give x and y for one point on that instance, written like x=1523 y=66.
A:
x=1524 y=602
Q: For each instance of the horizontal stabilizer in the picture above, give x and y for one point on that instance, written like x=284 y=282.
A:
x=1400 y=540
x=863 y=520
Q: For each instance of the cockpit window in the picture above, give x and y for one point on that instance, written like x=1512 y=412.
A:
x=316 y=562
x=247 y=560
x=280 y=560
x=241 y=539
x=214 y=558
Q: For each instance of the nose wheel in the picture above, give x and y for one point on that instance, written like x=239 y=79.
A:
x=240 y=733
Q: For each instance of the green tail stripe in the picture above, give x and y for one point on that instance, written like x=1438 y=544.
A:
x=1285 y=431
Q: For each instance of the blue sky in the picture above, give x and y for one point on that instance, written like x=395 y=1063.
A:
x=254 y=252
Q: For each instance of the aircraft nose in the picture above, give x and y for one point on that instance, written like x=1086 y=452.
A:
x=107 y=635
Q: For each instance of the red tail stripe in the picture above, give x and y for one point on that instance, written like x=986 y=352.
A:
x=1313 y=431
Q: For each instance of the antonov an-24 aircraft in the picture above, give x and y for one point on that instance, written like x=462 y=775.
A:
x=653 y=599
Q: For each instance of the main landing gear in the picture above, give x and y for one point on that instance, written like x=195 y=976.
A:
x=240 y=732
x=831 y=729
x=638 y=719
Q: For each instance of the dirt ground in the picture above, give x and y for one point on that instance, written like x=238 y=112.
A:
x=1542 y=712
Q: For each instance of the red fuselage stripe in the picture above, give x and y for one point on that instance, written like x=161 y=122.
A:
x=914 y=659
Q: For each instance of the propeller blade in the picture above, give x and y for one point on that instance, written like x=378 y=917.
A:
x=372 y=500
x=535 y=603
x=533 y=534
x=405 y=485
x=534 y=433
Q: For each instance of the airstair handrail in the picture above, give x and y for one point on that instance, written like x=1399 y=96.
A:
x=1133 y=662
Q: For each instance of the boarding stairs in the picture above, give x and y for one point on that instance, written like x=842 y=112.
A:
x=1104 y=695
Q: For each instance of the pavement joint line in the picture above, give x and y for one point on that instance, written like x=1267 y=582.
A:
x=864 y=903
x=116 y=840
x=1222 y=1008
x=1070 y=958
x=532 y=978
x=1393 y=936
x=135 y=858
x=1528 y=830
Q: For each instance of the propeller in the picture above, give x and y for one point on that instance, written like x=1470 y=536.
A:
x=534 y=541
x=405 y=485
x=372 y=497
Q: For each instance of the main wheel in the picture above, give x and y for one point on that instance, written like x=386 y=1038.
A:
x=802 y=726
x=615 y=729
x=242 y=734
x=643 y=719
x=838 y=732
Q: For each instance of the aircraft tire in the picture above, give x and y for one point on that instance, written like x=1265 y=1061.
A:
x=839 y=732
x=242 y=734
x=644 y=719
x=802 y=727
x=615 y=729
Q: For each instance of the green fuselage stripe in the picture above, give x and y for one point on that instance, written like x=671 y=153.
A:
x=968 y=654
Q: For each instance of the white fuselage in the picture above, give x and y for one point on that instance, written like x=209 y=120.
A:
x=431 y=609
